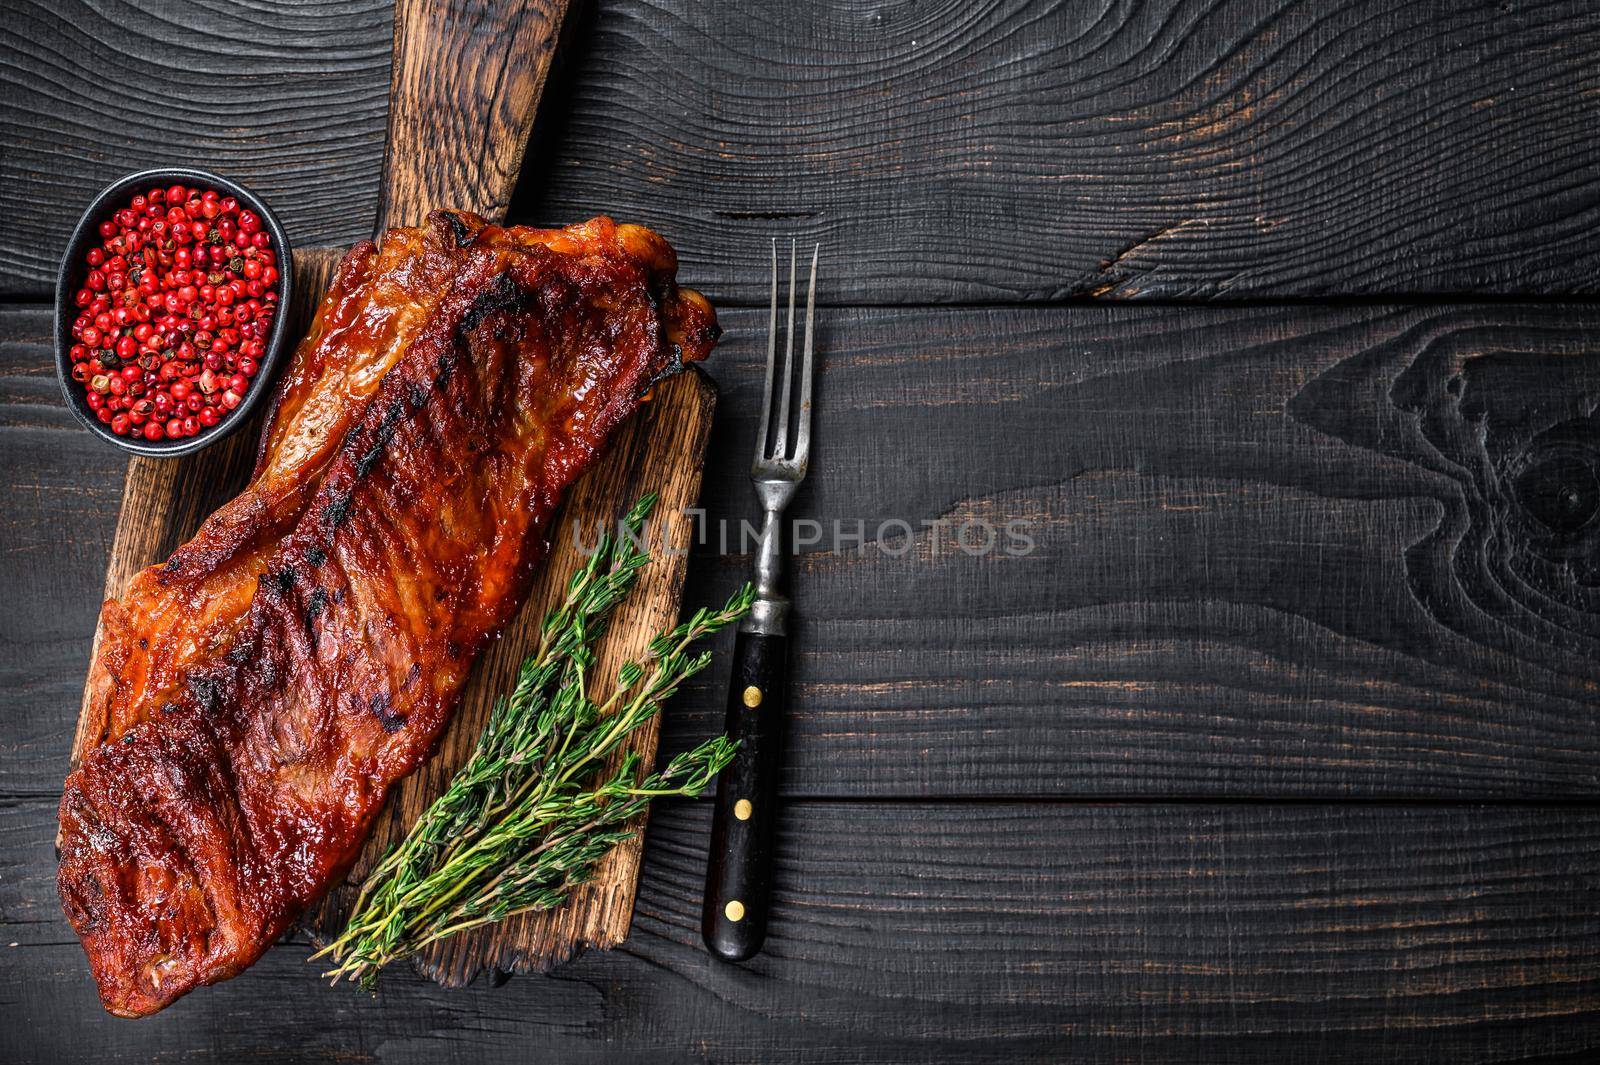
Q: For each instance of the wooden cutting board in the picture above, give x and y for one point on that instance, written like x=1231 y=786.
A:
x=466 y=82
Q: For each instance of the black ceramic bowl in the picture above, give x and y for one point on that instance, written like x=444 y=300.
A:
x=74 y=270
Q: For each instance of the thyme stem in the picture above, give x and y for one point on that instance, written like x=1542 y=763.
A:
x=534 y=809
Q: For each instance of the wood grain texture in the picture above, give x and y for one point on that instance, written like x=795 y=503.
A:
x=1000 y=150
x=1276 y=551
x=1276 y=555
x=466 y=82
x=288 y=98
x=1013 y=150
x=1286 y=551
x=925 y=933
x=658 y=451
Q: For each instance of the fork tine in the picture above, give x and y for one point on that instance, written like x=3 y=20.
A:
x=772 y=358
x=780 y=444
x=802 y=442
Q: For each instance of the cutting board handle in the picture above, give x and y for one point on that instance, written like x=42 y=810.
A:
x=465 y=84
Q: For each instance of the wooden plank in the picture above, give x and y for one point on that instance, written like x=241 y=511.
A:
x=999 y=150
x=1256 y=570
x=1011 y=150
x=1280 y=551
x=289 y=99
x=935 y=933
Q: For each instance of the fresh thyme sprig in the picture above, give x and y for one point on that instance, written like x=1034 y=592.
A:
x=534 y=810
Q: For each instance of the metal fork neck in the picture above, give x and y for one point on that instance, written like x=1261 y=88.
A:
x=769 y=614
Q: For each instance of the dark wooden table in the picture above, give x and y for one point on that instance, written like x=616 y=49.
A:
x=1274 y=321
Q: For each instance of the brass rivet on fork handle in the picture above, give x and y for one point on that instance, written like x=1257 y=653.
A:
x=738 y=890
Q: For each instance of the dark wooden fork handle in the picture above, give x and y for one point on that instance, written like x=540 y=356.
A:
x=738 y=891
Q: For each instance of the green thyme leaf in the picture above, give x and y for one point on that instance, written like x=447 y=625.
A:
x=535 y=808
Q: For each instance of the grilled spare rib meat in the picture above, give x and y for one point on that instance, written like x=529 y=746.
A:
x=257 y=695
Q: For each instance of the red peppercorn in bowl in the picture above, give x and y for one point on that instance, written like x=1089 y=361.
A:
x=171 y=306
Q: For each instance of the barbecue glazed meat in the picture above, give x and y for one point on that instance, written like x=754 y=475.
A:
x=259 y=693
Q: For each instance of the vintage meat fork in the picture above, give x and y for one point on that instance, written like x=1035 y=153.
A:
x=739 y=873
